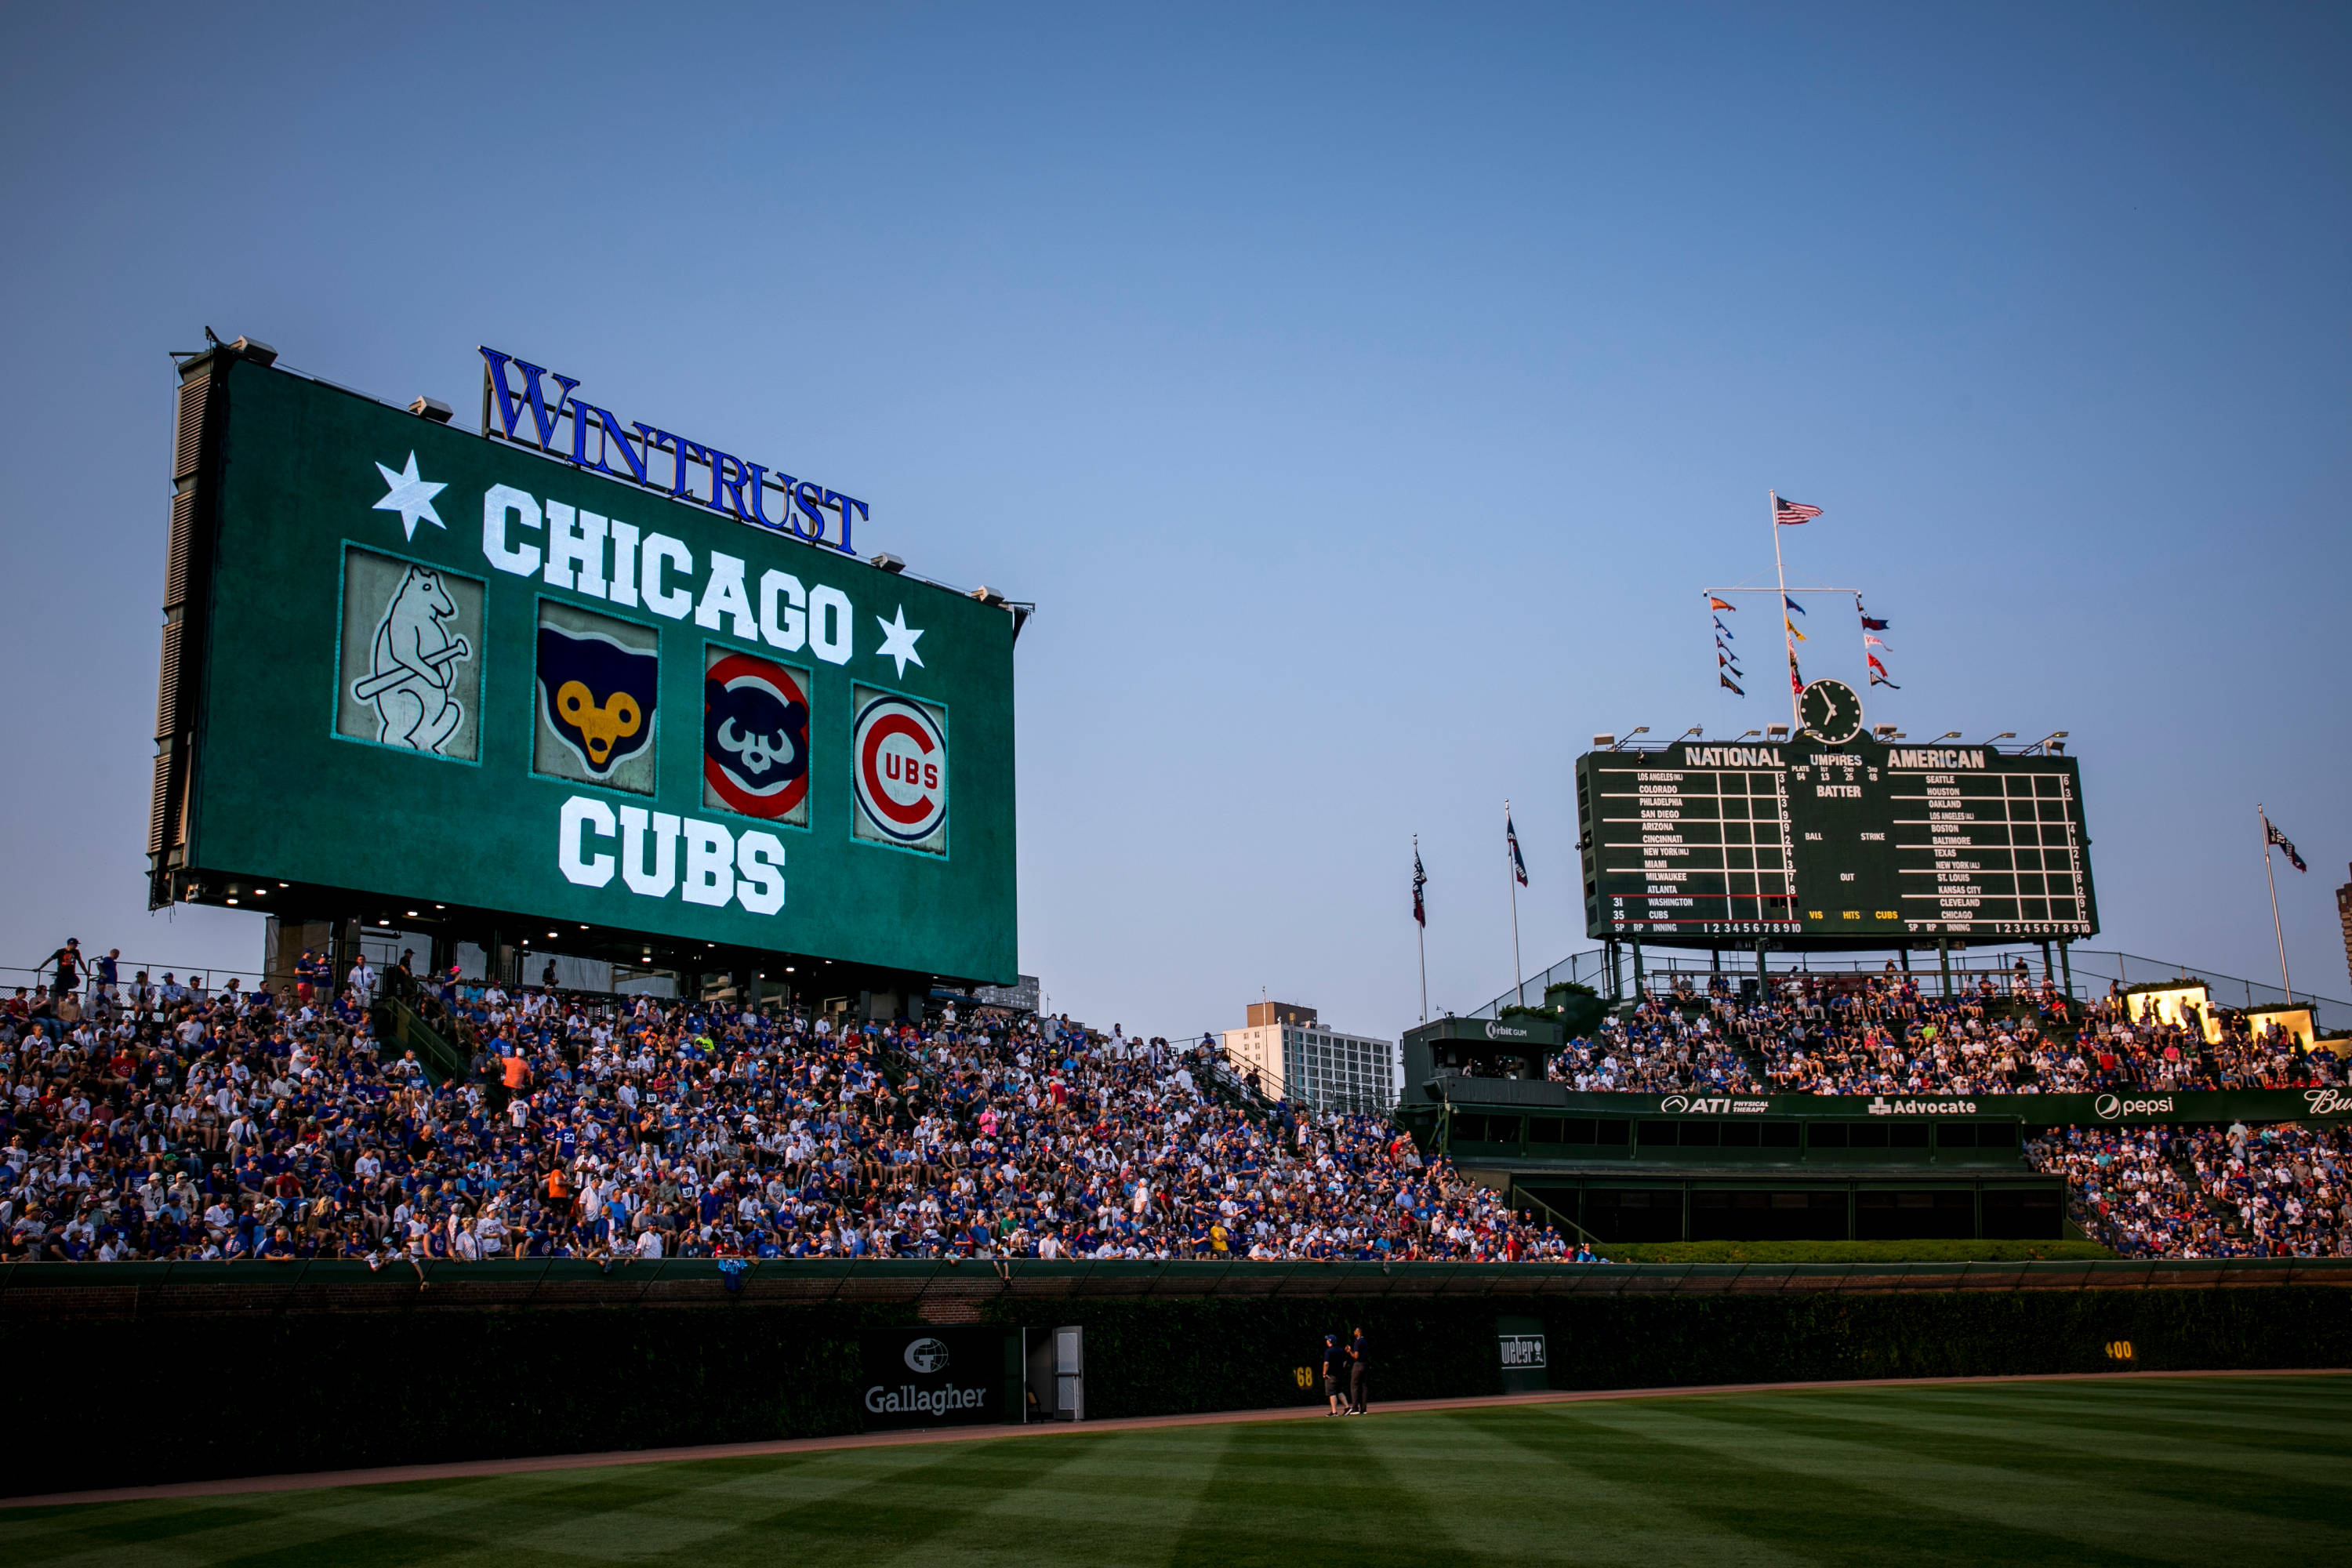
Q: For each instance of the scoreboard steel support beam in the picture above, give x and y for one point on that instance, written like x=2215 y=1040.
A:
x=1861 y=844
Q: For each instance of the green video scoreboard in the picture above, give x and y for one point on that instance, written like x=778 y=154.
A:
x=410 y=666
x=1806 y=843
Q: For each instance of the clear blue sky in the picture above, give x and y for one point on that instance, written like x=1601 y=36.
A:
x=1362 y=394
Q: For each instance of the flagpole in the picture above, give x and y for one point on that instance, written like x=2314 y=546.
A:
x=2277 y=933
x=1421 y=933
x=1787 y=631
x=1511 y=879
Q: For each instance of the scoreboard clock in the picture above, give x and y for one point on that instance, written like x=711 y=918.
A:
x=1834 y=838
x=1829 y=712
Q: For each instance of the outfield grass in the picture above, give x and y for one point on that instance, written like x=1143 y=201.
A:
x=2215 y=1470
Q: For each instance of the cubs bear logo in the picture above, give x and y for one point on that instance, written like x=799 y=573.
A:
x=411 y=677
x=900 y=751
x=597 y=696
x=755 y=737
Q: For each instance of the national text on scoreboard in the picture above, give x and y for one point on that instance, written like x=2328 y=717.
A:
x=1862 y=842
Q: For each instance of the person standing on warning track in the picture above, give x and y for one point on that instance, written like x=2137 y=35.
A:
x=1335 y=1375
x=1360 y=1355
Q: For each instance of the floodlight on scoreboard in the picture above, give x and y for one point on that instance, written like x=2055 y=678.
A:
x=1870 y=842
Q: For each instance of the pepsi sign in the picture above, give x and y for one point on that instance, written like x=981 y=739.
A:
x=898 y=751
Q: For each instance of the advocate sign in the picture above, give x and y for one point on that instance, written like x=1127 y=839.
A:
x=2128 y=1108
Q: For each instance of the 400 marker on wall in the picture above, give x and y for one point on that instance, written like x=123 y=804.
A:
x=899 y=752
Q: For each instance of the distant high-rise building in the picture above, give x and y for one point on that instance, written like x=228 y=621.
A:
x=1294 y=1056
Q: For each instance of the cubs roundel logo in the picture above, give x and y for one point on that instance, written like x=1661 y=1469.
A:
x=900 y=754
x=755 y=733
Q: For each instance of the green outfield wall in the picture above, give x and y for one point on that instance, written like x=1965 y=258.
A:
x=172 y=1373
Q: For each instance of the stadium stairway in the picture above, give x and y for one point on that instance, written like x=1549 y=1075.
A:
x=401 y=1027
x=2186 y=1168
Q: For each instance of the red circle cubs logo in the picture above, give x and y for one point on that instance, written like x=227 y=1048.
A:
x=755 y=724
x=901 y=772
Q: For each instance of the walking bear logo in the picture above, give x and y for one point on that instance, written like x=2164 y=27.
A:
x=410 y=678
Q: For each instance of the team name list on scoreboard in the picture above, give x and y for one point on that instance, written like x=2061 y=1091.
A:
x=1864 y=840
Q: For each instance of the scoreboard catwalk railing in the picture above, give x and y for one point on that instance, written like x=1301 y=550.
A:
x=2087 y=975
x=1805 y=843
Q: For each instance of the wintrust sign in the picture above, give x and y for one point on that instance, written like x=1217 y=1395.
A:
x=517 y=406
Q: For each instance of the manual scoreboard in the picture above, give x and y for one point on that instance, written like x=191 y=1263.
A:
x=1857 y=843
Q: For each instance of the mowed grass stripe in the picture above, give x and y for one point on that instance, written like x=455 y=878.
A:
x=1292 y=1492
x=1936 y=1473
x=2301 y=1476
x=1836 y=1513
x=1503 y=1498
x=2199 y=1471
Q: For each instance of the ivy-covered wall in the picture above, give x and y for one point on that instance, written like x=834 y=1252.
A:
x=118 y=1401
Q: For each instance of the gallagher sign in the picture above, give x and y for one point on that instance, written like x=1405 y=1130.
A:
x=409 y=661
x=925 y=1376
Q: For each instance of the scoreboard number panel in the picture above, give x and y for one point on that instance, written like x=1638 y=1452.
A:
x=1859 y=843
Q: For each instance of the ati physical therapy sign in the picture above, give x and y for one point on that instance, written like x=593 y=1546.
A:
x=441 y=667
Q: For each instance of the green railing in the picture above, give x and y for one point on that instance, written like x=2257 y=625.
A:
x=344 y=1285
x=399 y=1027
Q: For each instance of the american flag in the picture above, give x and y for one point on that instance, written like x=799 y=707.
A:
x=2271 y=834
x=1786 y=511
x=1420 y=877
x=1511 y=838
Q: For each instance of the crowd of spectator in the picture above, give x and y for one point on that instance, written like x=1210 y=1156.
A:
x=2286 y=1184
x=229 y=1124
x=2124 y=1190
x=2203 y=1191
x=146 y=1120
x=1662 y=1044
x=1872 y=1034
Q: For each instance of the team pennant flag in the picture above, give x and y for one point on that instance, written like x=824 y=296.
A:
x=1869 y=623
x=1726 y=680
x=1511 y=838
x=1722 y=659
x=1878 y=679
x=2271 y=834
x=1719 y=626
x=1792 y=604
x=1786 y=511
x=1793 y=631
x=1714 y=604
x=1420 y=880
x=1869 y=641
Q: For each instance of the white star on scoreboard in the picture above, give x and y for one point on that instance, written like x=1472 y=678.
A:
x=410 y=496
x=898 y=642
